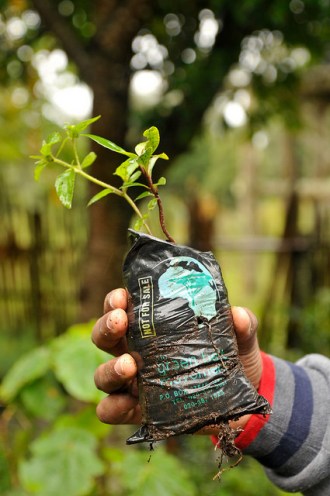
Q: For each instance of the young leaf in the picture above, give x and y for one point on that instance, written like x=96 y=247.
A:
x=84 y=124
x=153 y=160
x=138 y=224
x=109 y=144
x=152 y=135
x=74 y=130
x=140 y=148
x=99 y=195
x=126 y=169
x=39 y=167
x=64 y=186
x=161 y=181
x=143 y=195
x=47 y=144
x=152 y=204
x=145 y=158
x=88 y=160
x=134 y=177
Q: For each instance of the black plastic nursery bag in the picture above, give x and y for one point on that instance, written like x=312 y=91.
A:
x=180 y=324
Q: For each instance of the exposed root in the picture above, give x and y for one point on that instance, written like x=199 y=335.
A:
x=228 y=449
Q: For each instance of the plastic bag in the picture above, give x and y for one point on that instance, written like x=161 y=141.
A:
x=180 y=325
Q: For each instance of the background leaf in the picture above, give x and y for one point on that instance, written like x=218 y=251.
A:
x=27 y=368
x=75 y=361
x=63 y=462
x=43 y=398
x=163 y=475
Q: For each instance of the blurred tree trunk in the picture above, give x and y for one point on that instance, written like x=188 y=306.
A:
x=202 y=214
x=103 y=64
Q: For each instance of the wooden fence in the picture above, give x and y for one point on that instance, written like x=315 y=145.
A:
x=41 y=252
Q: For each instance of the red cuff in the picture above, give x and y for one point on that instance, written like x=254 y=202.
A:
x=266 y=389
x=257 y=421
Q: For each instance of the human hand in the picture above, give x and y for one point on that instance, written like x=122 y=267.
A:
x=117 y=377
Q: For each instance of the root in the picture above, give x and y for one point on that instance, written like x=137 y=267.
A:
x=228 y=449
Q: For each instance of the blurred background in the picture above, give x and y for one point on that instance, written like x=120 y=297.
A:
x=240 y=93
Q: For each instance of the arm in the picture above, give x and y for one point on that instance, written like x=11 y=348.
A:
x=294 y=442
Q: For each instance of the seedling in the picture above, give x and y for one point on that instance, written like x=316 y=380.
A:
x=137 y=166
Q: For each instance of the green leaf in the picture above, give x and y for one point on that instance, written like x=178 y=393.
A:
x=47 y=144
x=64 y=462
x=39 y=167
x=139 y=222
x=43 y=398
x=152 y=135
x=152 y=204
x=161 y=182
x=84 y=419
x=109 y=145
x=126 y=169
x=74 y=130
x=143 y=195
x=130 y=184
x=88 y=160
x=134 y=177
x=140 y=148
x=99 y=195
x=81 y=126
x=153 y=160
x=145 y=157
x=64 y=186
x=27 y=368
x=156 y=477
x=75 y=361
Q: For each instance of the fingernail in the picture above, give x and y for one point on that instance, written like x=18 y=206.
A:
x=118 y=367
x=111 y=299
x=110 y=323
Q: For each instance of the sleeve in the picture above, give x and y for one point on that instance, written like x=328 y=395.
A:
x=293 y=443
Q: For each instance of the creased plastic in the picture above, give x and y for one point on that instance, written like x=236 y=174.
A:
x=181 y=331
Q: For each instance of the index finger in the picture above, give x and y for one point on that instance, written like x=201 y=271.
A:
x=109 y=332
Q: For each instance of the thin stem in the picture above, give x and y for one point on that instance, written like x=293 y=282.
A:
x=154 y=191
x=75 y=151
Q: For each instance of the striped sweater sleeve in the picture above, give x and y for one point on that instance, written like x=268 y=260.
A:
x=294 y=442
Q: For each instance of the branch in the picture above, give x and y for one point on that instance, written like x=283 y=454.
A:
x=65 y=34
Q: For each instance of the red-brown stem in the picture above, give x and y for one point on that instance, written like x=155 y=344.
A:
x=154 y=191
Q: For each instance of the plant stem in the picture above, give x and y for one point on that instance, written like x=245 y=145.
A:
x=154 y=191
x=75 y=151
x=104 y=185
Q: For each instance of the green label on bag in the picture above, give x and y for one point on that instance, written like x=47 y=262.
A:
x=187 y=278
x=146 y=311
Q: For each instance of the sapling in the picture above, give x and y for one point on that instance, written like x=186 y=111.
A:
x=136 y=166
x=180 y=323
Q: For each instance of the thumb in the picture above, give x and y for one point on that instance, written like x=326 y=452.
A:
x=245 y=324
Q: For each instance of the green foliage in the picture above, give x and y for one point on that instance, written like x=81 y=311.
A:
x=68 y=451
x=29 y=367
x=160 y=473
x=74 y=363
x=64 y=449
x=140 y=163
